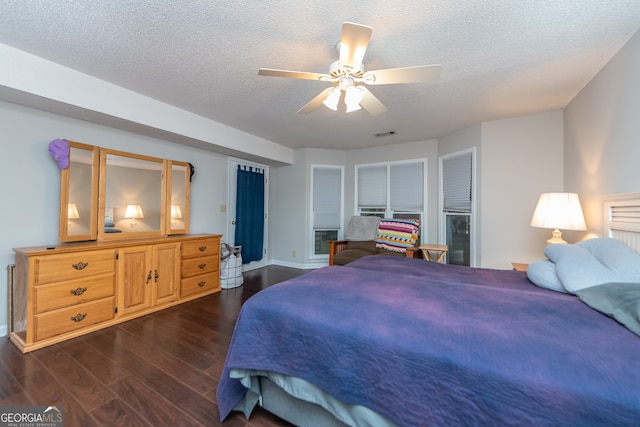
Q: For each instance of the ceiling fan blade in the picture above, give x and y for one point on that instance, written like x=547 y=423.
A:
x=370 y=103
x=419 y=74
x=294 y=74
x=353 y=44
x=315 y=102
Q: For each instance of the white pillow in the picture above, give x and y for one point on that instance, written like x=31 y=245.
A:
x=616 y=256
x=543 y=274
x=577 y=268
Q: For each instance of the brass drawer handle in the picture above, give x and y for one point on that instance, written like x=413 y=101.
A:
x=80 y=266
x=201 y=266
x=78 y=291
x=155 y=275
x=201 y=284
x=79 y=317
x=202 y=248
x=148 y=277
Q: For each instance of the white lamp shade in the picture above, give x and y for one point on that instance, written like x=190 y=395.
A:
x=72 y=211
x=352 y=98
x=175 y=211
x=133 y=211
x=559 y=211
x=331 y=101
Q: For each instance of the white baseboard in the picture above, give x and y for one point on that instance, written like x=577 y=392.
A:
x=4 y=330
x=304 y=266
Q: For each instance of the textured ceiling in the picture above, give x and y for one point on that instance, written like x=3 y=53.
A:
x=499 y=58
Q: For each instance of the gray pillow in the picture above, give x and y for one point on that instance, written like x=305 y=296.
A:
x=620 y=301
x=362 y=228
x=543 y=274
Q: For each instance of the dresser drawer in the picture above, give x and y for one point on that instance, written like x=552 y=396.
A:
x=56 y=268
x=197 y=284
x=58 y=295
x=200 y=248
x=195 y=266
x=73 y=318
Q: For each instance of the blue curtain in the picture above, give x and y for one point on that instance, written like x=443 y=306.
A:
x=250 y=213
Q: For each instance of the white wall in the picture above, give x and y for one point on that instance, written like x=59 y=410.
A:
x=521 y=158
x=602 y=135
x=31 y=180
x=290 y=207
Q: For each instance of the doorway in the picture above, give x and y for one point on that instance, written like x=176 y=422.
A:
x=233 y=165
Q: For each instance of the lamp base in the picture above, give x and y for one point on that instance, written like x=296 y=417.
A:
x=556 y=238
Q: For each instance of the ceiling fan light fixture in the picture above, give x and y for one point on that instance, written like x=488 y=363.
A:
x=353 y=107
x=348 y=70
x=331 y=101
x=352 y=98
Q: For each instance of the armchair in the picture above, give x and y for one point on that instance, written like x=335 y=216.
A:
x=368 y=235
x=357 y=251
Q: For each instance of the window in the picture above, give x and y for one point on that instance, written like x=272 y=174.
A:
x=391 y=190
x=326 y=207
x=456 y=195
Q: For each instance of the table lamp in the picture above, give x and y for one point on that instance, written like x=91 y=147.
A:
x=558 y=211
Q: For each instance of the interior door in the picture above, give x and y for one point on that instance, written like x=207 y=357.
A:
x=231 y=209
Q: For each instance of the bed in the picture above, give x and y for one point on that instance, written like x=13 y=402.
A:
x=398 y=341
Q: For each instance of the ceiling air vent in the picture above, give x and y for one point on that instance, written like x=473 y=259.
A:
x=388 y=133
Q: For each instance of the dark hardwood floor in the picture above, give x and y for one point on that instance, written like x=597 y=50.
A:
x=161 y=369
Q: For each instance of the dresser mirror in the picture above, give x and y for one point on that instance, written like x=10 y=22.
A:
x=78 y=198
x=132 y=195
x=178 y=176
x=110 y=195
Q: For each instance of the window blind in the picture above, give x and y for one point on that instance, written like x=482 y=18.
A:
x=456 y=177
x=327 y=191
x=407 y=186
x=372 y=186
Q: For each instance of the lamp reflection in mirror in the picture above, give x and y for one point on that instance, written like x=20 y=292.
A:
x=72 y=212
x=558 y=211
x=176 y=213
x=132 y=212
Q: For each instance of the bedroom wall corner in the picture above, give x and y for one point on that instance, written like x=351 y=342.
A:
x=601 y=132
x=288 y=217
x=521 y=158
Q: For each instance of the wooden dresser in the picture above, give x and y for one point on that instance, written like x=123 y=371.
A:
x=66 y=290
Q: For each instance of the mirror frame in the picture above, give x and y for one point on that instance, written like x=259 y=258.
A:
x=98 y=197
x=65 y=180
x=102 y=235
x=185 y=205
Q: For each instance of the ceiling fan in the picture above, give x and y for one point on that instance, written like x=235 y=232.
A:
x=347 y=74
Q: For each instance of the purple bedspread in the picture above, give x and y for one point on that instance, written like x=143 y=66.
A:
x=421 y=351
x=453 y=274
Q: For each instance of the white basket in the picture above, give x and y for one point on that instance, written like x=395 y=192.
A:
x=231 y=266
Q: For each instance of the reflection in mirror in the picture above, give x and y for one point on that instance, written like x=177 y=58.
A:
x=179 y=190
x=78 y=194
x=133 y=195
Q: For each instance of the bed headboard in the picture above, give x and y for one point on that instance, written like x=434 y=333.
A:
x=622 y=219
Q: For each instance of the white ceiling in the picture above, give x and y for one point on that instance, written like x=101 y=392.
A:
x=499 y=58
